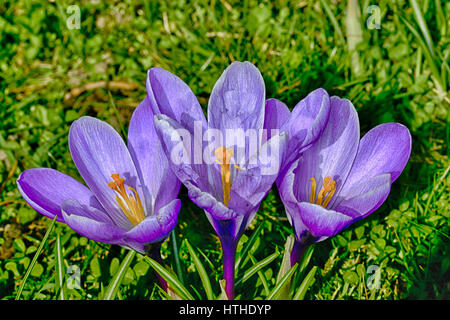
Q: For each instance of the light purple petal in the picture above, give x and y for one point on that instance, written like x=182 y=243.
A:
x=256 y=178
x=156 y=227
x=194 y=177
x=310 y=114
x=46 y=189
x=320 y=221
x=362 y=199
x=169 y=95
x=237 y=99
x=160 y=185
x=133 y=245
x=276 y=115
x=209 y=203
x=285 y=185
x=98 y=151
x=91 y=223
x=332 y=154
x=306 y=123
x=177 y=144
x=384 y=149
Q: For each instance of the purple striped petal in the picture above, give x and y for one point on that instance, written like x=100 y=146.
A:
x=196 y=178
x=46 y=189
x=285 y=187
x=384 y=149
x=322 y=222
x=276 y=115
x=177 y=143
x=91 y=222
x=362 y=199
x=169 y=95
x=332 y=154
x=209 y=203
x=156 y=227
x=310 y=115
x=237 y=99
x=256 y=178
x=160 y=185
x=98 y=151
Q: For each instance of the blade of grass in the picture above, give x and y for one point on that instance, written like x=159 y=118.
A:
x=423 y=25
x=262 y=277
x=171 y=279
x=211 y=265
x=176 y=256
x=428 y=57
x=36 y=255
x=306 y=283
x=248 y=245
x=75 y=41
x=333 y=20
x=304 y=262
x=354 y=34
x=280 y=286
x=436 y=186
x=440 y=18
x=59 y=265
x=223 y=294
x=306 y=258
x=116 y=112
x=114 y=285
x=286 y=262
x=257 y=266
x=201 y=272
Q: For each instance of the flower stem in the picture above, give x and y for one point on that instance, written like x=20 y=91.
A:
x=154 y=252
x=300 y=247
x=229 y=256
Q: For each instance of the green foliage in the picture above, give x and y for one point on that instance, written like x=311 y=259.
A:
x=50 y=75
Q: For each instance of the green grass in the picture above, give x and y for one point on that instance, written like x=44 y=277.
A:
x=51 y=75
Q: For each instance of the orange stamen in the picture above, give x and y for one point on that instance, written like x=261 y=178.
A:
x=131 y=205
x=224 y=156
x=325 y=194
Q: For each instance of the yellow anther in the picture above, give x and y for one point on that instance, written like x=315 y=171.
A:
x=325 y=194
x=313 y=190
x=224 y=156
x=131 y=205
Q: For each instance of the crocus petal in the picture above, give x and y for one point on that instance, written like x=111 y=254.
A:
x=91 y=222
x=133 y=245
x=237 y=99
x=384 y=149
x=306 y=123
x=46 y=189
x=320 y=221
x=231 y=229
x=194 y=177
x=173 y=137
x=98 y=151
x=255 y=179
x=169 y=95
x=160 y=185
x=332 y=154
x=209 y=203
x=310 y=114
x=285 y=185
x=276 y=115
x=362 y=199
x=156 y=227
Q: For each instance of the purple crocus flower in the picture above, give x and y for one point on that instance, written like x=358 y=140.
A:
x=130 y=198
x=341 y=179
x=227 y=176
